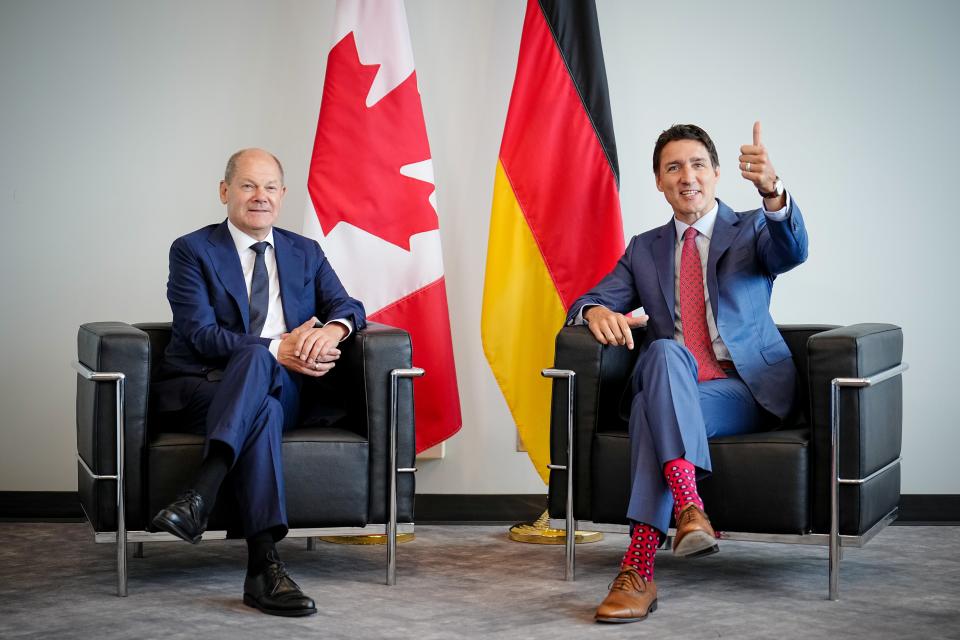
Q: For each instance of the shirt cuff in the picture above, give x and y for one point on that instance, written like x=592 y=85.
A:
x=346 y=323
x=578 y=320
x=275 y=349
x=777 y=216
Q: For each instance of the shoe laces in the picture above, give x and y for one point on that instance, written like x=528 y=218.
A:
x=688 y=513
x=628 y=581
x=277 y=571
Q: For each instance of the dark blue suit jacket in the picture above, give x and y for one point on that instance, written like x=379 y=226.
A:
x=211 y=310
x=747 y=251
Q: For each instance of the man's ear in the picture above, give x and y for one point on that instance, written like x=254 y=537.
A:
x=656 y=178
x=223 y=191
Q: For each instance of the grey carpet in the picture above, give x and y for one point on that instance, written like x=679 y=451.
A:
x=471 y=582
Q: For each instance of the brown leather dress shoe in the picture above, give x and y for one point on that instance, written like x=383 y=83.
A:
x=631 y=599
x=695 y=537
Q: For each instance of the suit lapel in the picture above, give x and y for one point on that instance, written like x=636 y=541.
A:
x=664 y=249
x=290 y=272
x=223 y=253
x=725 y=229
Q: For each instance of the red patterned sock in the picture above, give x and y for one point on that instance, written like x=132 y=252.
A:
x=642 y=550
x=681 y=476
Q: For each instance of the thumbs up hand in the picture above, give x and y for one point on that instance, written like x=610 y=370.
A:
x=755 y=165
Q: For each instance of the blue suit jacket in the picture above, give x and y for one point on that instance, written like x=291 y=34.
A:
x=747 y=251
x=211 y=310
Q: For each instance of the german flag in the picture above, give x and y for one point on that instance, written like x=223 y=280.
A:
x=555 y=228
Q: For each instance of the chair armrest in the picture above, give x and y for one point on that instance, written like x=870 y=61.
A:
x=602 y=372
x=871 y=420
x=112 y=347
x=368 y=358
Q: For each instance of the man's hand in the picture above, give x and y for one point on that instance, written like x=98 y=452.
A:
x=756 y=167
x=612 y=328
x=310 y=350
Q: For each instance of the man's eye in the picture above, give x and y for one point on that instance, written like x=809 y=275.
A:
x=272 y=189
x=698 y=165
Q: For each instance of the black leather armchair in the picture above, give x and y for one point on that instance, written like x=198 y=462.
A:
x=346 y=471
x=848 y=376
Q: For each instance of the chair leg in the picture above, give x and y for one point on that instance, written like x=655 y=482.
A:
x=310 y=543
x=137 y=549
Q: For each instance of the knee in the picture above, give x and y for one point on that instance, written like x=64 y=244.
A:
x=665 y=348
x=667 y=353
x=252 y=354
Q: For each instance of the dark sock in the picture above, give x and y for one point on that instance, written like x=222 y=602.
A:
x=259 y=547
x=212 y=471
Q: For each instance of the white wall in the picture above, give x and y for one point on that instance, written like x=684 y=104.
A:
x=116 y=119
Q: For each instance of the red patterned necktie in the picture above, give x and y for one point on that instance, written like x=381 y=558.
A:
x=693 y=310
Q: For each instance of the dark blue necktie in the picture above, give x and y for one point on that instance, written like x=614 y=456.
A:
x=259 y=290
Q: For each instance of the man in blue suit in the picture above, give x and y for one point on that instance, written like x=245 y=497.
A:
x=246 y=298
x=711 y=362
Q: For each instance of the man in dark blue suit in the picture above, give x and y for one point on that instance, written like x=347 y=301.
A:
x=246 y=298
x=712 y=362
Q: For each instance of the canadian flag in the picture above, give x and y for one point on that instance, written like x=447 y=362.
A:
x=372 y=198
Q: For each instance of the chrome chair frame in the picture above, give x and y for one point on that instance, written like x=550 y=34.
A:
x=122 y=536
x=833 y=540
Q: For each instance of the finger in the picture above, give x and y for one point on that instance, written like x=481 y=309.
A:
x=756 y=133
x=638 y=321
x=309 y=323
x=323 y=367
x=301 y=338
x=310 y=339
x=595 y=330
x=750 y=150
x=752 y=167
x=612 y=334
x=319 y=348
x=625 y=329
x=752 y=176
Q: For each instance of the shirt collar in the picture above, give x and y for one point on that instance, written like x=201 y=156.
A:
x=243 y=241
x=704 y=225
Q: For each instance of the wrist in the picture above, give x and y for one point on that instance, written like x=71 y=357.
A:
x=775 y=191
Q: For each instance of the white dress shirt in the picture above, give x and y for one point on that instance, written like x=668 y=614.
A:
x=275 y=325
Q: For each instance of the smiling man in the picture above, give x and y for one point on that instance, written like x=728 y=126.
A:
x=246 y=298
x=712 y=362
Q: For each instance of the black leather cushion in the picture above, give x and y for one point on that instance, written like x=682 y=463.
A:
x=760 y=482
x=325 y=473
x=610 y=479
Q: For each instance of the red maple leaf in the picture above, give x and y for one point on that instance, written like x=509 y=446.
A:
x=357 y=155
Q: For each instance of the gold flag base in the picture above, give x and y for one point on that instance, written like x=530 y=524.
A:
x=539 y=532
x=375 y=538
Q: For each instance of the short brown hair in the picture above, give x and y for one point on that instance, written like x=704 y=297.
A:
x=683 y=132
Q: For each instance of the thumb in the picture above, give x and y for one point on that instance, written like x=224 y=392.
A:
x=637 y=321
x=309 y=323
x=756 y=133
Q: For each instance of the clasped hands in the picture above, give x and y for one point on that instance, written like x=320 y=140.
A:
x=609 y=327
x=311 y=350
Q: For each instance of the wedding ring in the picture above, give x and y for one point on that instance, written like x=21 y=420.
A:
x=747 y=168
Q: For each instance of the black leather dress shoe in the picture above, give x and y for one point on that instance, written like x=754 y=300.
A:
x=275 y=592
x=185 y=517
